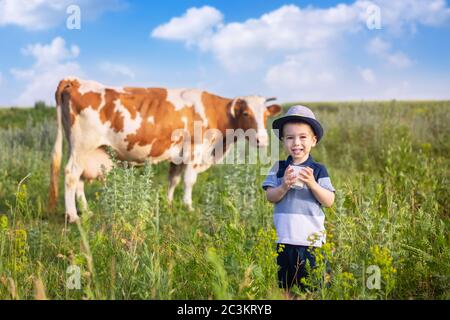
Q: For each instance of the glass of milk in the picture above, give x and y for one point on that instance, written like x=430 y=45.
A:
x=298 y=184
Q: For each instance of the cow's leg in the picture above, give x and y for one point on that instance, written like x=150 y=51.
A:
x=175 y=171
x=190 y=177
x=72 y=177
x=95 y=165
x=81 y=197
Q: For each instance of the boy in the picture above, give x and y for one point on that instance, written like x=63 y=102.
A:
x=298 y=198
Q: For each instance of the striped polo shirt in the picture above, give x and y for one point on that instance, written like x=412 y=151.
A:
x=298 y=216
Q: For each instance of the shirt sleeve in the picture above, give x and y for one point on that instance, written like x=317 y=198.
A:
x=324 y=180
x=271 y=178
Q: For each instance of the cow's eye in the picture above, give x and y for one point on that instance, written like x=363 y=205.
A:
x=245 y=113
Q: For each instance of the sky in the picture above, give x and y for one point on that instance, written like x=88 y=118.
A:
x=292 y=50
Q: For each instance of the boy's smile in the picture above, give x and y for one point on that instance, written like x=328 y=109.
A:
x=298 y=139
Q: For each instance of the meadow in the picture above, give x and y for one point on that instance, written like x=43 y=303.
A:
x=389 y=162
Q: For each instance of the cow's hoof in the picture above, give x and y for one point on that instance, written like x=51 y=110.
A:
x=72 y=218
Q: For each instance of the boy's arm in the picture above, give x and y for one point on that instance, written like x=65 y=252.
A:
x=275 y=194
x=324 y=196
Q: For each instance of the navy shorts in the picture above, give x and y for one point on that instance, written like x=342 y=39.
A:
x=292 y=261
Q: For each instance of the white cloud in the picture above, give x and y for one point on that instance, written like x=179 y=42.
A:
x=399 y=59
x=47 y=55
x=291 y=29
x=53 y=62
x=283 y=31
x=400 y=16
x=378 y=46
x=309 y=75
x=303 y=52
x=44 y=14
x=383 y=50
x=117 y=70
x=367 y=75
x=194 y=24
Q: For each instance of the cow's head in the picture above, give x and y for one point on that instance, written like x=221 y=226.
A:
x=251 y=112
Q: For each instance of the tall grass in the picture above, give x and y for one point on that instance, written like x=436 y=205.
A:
x=389 y=162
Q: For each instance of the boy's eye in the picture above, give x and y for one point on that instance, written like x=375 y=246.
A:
x=291 y=137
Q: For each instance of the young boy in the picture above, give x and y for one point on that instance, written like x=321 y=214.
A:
x=298 y=198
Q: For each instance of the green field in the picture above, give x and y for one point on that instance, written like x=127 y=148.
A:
x=389 y=162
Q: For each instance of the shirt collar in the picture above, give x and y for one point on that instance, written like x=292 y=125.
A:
x=307 y=162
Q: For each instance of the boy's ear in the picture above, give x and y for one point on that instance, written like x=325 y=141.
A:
x=280 y=132
x=314 y=141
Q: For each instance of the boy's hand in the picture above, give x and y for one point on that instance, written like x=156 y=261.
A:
x=289 y=177
x=307 y=176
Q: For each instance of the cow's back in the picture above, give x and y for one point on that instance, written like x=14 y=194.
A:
x=137 y=122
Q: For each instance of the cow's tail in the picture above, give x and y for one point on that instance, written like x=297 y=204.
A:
x=57 y=148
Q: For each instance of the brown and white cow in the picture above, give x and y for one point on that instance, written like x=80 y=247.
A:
x=138 y=123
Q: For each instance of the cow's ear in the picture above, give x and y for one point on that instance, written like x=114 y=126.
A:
x=274 y=110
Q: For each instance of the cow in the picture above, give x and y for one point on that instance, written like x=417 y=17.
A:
x=138 y=124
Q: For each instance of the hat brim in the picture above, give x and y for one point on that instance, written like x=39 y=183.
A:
x=277 y=125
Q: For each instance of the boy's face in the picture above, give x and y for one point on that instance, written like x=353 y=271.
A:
x=298 y=139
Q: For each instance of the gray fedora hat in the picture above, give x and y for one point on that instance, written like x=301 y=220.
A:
x=298 y=113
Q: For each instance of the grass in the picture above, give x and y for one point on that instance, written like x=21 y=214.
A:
x=389 y=162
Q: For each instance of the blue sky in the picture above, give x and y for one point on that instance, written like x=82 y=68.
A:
x=295 y=50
